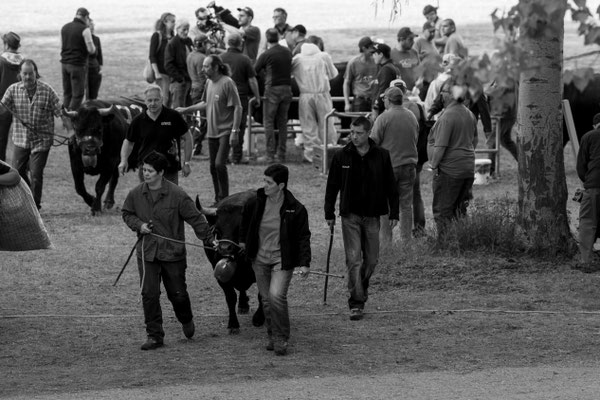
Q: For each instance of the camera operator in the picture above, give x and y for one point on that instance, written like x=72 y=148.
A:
x=209 y=25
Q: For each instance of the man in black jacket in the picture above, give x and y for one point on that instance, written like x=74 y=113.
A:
x=276 y=238
x=363 y=175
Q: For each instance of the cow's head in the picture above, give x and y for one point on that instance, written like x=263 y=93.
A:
x=225 y=220
x=88 y=123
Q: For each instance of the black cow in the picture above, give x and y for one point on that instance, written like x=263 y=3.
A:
x=584 y=105
x=225 y=221
x=100 y=127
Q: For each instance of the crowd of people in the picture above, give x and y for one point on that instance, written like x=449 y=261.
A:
x=205 y=75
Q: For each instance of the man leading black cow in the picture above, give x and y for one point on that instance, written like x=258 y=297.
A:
x=158 y=129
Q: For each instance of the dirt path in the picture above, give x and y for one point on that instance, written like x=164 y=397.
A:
x=505 y=383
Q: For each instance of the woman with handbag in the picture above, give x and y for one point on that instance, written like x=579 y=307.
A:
x=164 y=31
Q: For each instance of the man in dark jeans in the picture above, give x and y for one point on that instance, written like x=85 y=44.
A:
x=159 y=206
x=244 y=76
x=276 y=62
x=77 y=45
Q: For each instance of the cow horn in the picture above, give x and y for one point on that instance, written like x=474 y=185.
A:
x=105 y=111
x=212 y=211
x=70 y=114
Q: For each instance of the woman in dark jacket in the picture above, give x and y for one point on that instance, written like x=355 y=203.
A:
x=163 y=32
x=277 y=240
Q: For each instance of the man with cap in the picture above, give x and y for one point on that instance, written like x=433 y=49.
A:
x=386 y=74
x=10 y=62
x=359 y=78
x=430 y=13
x=201 y=48
x=76 y=45
x=405 y=57
x=454 y=42
x=244 y=76
x=299 y=38
x=588 y=171
x=397 y=131
x=429 y=57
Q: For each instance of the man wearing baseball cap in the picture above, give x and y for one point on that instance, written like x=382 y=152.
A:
x=77 y=44
x=386 y=74
x=430 y=13
x=359 y=78
x=250 y=33
x=405 y=57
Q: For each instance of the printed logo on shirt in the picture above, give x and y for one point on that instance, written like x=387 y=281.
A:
x=167 y=123
x=346 y=166
x=289 y=211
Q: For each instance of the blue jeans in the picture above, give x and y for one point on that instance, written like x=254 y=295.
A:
x=94 y=80
x=275 y=110
x=273 y=284
x=218 y=150
x=589 y=212
x=450 y=199
x=26 y=163
x=237 y=152
x=361 y=244
x=5 y=122
x=74 y=79
x=418 y=206
x=172 y=275
x=405 y=181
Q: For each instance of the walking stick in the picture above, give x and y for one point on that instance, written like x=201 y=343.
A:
x=327 y=266
x=127 y=262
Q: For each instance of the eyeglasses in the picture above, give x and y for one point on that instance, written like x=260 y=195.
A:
x=202 y=18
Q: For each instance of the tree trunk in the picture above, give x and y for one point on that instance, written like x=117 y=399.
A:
x=542 y=184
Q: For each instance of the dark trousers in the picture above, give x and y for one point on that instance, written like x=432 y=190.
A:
x=5 y=122
x=506 y=123
x=74 y=80
x=450 y=199
x=218 y=150
x=275 y=110
x=94 y=80
x=238 y=148
x=172 y=275
x=27 y=163
x=418 y=206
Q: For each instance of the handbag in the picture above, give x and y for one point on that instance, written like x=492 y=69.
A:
x=148 y=73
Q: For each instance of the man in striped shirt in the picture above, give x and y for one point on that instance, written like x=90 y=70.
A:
x=34 y=104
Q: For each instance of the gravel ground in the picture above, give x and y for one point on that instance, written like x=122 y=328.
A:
x=506 y=383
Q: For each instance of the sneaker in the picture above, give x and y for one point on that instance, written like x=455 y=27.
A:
x=189 y=329
x=152 y=343
x=281 y=349
x=356 y=314
x=270 y=344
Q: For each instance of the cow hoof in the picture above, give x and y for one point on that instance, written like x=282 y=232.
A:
x=234 y=331
x=108 y=205
x=243 y=310
x=95 y=212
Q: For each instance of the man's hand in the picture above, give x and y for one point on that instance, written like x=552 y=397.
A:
x=256 y=101
x=181 y=110
x=393 y=223
x=122 y=167
x=304 y=271
x=330 y=222
x=186 y=169
x=234 y=138
x=347 y=106
x=146 y=228
x=242 y=248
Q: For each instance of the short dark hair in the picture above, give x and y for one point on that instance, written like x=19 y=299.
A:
x=364 y=122
x=280 y=10
x=158 y=161
x=29 y=61
x=316 y=40
x=279 y=172
x=272 y=35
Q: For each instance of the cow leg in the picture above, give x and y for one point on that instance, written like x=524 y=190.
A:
x=100 y=186
x=258 y=319
x=231 y=298
x=78 y=178
x=109 y=200
x=243 y=306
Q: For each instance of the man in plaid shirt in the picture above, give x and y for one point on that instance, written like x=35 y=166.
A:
x=34 y=104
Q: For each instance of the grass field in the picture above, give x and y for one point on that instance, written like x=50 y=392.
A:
x=64 y=327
